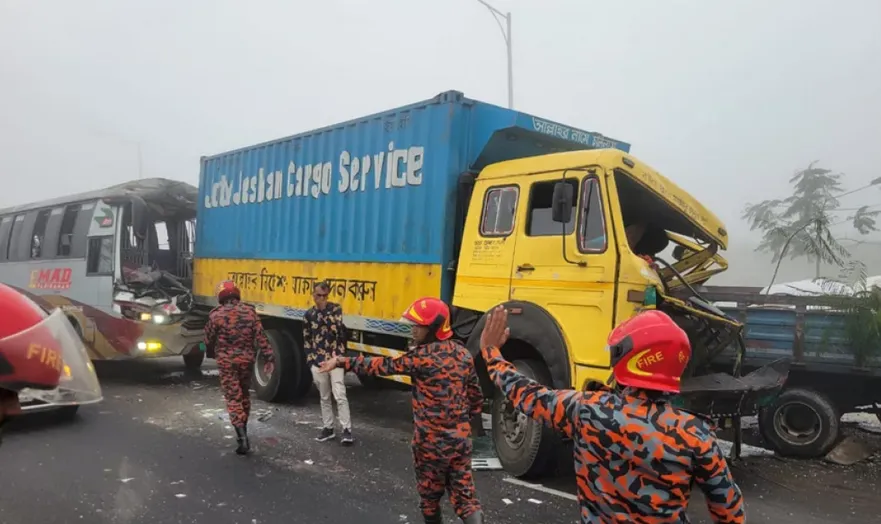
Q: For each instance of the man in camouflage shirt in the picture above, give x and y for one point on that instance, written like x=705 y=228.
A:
x=324 y=337
x=235 y=334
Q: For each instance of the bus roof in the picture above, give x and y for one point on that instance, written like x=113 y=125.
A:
x=662 y=187
x=159 y=190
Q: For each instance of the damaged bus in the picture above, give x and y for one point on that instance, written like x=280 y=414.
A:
x=117 y=261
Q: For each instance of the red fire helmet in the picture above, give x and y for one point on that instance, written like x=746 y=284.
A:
x=226 y=290
x=649 y=351
x=431 y=313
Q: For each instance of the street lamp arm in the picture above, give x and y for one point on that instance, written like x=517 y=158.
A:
x=491 y=8
x=498 y=16
x=506 y=34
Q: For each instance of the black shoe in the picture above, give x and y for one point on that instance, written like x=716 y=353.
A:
x=242 y=439
x=474 y=518
x=437 y=518
x=325 y=435
x=347 y=439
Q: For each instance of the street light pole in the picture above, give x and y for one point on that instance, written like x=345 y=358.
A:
x=140 y=162
x=506 y=34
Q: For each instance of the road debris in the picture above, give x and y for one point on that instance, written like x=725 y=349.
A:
x=486 y=464
x=850 y=451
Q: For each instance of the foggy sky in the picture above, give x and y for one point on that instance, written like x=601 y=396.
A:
x=726 y=98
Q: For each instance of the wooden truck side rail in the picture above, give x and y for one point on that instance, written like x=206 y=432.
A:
x=810 y=329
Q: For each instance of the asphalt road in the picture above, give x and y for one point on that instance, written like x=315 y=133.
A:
x=159 y=449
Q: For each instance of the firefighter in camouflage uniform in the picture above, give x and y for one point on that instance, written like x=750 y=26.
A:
x=446 y=396
x=636 y=456
x=235 y=334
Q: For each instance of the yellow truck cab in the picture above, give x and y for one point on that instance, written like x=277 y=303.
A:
x=562 y=241
x=478 y=205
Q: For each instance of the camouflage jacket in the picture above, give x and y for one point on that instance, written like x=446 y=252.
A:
x=235 y=333
x=635 y=457
x=446 y=392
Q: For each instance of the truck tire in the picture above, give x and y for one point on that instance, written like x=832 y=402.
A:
x=194 y=359
x=800 y=423
x=526 y=448
x=290 y=378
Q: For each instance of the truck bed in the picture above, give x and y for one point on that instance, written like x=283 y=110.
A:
x=810 y=330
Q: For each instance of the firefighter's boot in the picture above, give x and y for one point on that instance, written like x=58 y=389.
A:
x=437 y=518
x=242 y=439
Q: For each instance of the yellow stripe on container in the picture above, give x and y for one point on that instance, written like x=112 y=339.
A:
x=375 y=290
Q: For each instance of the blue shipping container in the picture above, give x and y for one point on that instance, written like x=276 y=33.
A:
x=381 y=188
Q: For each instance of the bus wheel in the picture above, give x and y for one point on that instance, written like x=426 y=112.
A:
x=193 y=360
x=526 y=448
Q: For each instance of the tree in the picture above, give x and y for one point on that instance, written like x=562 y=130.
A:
x=799 y=226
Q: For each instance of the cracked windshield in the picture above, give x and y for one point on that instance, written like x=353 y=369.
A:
x=400 y=262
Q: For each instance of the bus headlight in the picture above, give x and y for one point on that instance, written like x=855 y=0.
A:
x=159 y=319
x=149 y=346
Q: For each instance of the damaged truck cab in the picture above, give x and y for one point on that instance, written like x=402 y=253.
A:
x=571 y=244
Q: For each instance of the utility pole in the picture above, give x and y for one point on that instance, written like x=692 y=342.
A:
x=506 y=34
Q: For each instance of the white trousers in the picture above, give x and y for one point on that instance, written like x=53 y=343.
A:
x=328 y=384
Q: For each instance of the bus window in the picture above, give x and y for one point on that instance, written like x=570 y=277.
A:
x=100 y=258
x=65 y=235
x=191 y=235
x=5 y=234
x=81 y=230
x=162 y=236
x=38 y=236
x=12 y=243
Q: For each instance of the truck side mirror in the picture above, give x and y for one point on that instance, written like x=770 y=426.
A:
x=561 y=207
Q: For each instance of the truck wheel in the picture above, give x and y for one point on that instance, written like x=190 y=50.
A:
x=193 y=360
x=526 y=448
x=290 y=378
x=800 y=423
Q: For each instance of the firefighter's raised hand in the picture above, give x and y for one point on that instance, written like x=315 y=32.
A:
x=495 y=332
x=329 y=365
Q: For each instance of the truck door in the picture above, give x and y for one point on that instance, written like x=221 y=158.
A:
x=571 y=273
x=483 y=277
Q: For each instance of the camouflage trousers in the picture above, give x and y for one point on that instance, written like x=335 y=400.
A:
x=235 y=382
x=445 y=467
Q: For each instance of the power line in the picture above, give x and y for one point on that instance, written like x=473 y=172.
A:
x=873 y=183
